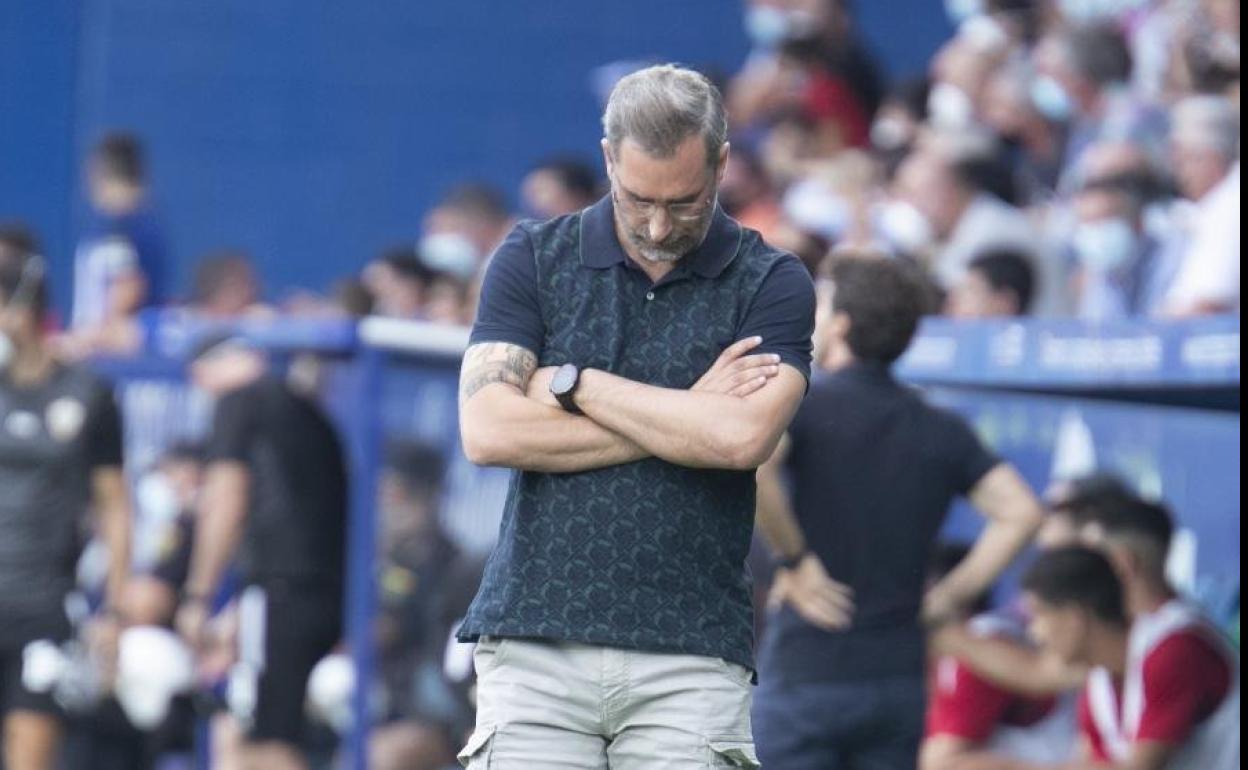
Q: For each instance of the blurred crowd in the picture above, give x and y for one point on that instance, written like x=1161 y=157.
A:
x=1060 y=158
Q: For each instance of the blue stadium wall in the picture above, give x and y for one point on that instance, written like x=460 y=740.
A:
x=314 y=134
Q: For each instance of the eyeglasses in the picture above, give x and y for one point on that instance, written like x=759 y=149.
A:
x=686 y=212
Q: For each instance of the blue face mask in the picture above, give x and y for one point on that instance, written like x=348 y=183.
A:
x=1051 y=99
x=767 y=27
x=1104 y=246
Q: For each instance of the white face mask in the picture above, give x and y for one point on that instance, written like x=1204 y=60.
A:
x=1051 y=99
x=766 y=26
x=451 y=253
x=961 y=10
x=904 y=226
x=950 y=107
x=1104 y=246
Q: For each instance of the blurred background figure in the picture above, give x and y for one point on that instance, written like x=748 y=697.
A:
x=1204 y=145
x=559 y=186
x=997 y=284
x=399 y=283
x=426 y=586
x=119 y=265
x=463 y=229
x=225 y=286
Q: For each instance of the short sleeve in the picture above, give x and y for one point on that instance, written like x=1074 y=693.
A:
x=963 y=705
x=1185 y=679
x=783 y=314
x=509 y=310
x=233 y=425
x=971 y=459
x=103 y=431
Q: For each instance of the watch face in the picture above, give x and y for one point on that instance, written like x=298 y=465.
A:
x=564 y=380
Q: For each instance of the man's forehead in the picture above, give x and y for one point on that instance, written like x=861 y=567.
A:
x=683 y=173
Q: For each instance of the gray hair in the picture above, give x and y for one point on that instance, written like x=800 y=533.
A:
x=660 y=107
x=1207 y=121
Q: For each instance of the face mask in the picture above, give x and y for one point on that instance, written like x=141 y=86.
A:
x=889 y=134
x=1051 y=99
x=816 y=208
x=1104 y=246
x=950 y=107
x=451 y=253
x=766 y=26
x=961 y=10
x=904 y=226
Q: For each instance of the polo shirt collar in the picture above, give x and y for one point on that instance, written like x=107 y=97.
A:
x=600 y=248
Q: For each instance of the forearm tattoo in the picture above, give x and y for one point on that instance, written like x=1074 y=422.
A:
x=491 y=362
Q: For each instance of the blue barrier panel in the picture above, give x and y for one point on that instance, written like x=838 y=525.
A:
x=1029 y=389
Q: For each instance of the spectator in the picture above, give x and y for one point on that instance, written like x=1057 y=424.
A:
x=559 y=186
x=1164 y=689
x=869 y=495
x=1032 y=144
x=956 y=218
x=226 y=287
x=1083 y=73
x=897 y=122
x=119 y=266
x=997 y=284
x=1118 y=271
x=1205 y=154
x=748 y=196
x=464 y=229
x=398 y=281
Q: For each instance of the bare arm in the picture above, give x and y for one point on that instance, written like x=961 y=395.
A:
x=219 y=526
x=694 y=428
x=1014 y=514
x=508 y=416
x=499 y=425
x=773 y=514
x=112 y=511
x=1012 y=666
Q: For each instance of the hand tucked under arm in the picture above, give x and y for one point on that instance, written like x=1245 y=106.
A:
x=694 y=428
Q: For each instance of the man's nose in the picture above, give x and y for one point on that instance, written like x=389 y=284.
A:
x=660 y=225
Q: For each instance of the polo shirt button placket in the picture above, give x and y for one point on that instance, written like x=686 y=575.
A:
x=649 y=296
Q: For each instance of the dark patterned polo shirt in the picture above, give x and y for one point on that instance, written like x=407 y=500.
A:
x=647 y=555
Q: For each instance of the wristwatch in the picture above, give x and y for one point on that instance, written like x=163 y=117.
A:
x=563 y=387
x=791 y=562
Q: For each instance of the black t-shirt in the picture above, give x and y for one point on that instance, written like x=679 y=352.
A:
x=874 y=470
x=53 y=436
x=297 y=501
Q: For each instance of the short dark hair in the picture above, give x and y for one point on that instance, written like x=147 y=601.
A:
x=1099 y=53
x=884 y=299
x=186 y=451
x=1087 y=496
x=120 y=155
x=27 y=275
x=1131 y=187
x=1007 y=269
x=1078 y=577
x=1136 y=517
x=574 y=175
